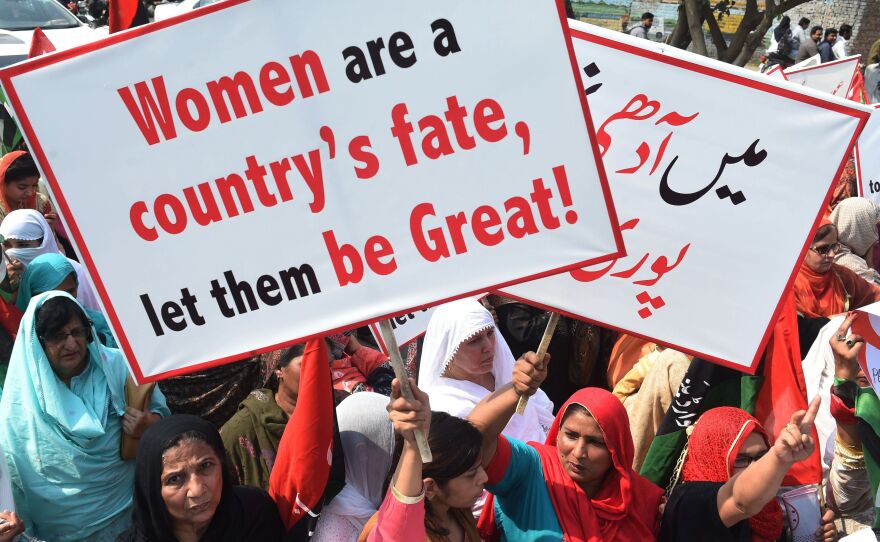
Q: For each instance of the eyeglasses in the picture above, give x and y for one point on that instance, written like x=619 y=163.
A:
x=56 y=339
x=742 y=461
x=825 y=249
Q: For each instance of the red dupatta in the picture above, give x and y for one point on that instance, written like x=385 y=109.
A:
x=5 y=162
x=627 y=506
x=712 y=449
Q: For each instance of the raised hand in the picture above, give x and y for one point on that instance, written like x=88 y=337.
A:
x=529 y=373
x=408 y=416
x=846 y=349
x=795 y=442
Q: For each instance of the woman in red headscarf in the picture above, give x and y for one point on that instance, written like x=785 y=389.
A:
x=579 y=485
x=822 y=288
x=731 y=476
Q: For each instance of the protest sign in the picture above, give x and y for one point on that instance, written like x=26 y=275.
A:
x=716 y=208
x=867 y=325
x=835 y=77
x=274 y=171
x=867 y=163
x=776 y=71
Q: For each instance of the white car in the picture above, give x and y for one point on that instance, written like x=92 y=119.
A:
x=18 y=18
x=166 y=10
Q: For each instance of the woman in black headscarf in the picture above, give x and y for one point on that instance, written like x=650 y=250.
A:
x=183 y=491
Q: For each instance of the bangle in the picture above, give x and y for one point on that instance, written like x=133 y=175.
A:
x=405 y=499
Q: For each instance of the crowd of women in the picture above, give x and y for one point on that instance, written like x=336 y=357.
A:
x=89 y=455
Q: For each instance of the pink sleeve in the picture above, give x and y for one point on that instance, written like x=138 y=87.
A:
x=367 y=360
x=398 y=521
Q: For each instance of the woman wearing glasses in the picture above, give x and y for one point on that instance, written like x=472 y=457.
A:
x=62 y=415
x=730 y=476
x=823 y=288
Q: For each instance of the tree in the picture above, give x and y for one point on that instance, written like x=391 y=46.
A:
x=747 y=38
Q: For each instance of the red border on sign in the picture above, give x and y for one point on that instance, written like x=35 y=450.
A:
x=777 y=68
x=7 y=75
x=757 y=85
x=855 y=58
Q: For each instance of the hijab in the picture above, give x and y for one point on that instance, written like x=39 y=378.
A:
x=61 y=443
x=782 y=27
x=451 y=325
x=856 y=222
x=244 y=513
x=712 y=448
x=5 y=163
x=46 y=272
x=30 y=225
x=626 y=507
x=368 y=443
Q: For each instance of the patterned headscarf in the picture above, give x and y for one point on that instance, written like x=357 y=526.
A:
x=856 y=220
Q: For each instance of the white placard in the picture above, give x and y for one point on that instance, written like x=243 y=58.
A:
x=716 y=208
x=274 y=171
x=777 y=72
x=835 y=77
x=867 y=159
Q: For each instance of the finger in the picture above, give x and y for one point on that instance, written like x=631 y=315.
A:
x=847 y=323
x=395 y=389
x=806 y=425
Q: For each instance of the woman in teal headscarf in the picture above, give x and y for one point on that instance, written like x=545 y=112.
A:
x=54 y=272
x=62 y=415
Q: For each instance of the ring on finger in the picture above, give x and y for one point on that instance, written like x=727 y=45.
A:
x=850 y=342
x=841 y=338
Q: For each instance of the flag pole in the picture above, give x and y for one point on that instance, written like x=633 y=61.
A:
x=542 y=349
x=387 y=333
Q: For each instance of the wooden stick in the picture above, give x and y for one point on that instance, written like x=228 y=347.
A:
x=387 y=333
x=542 y=349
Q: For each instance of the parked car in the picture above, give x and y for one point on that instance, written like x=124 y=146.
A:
x=170 y=9
x=18 y=18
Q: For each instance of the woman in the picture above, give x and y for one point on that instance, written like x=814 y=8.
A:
x=26 y=235
x=183 y=491
x=368 y=444
x=429 y=502
x=823 y=288
x=54 y=272
x=579 y=485
x=851 y=395
x=62 y=416
x=19 y=180
x=731 y=476
x=464 y=359
x=856 y=222
x=252 y=435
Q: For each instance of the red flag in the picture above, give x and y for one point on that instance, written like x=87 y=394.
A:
x=784 y=391
x=40 y=44
x=302 y=465
x=857 y=92
x=125 y=14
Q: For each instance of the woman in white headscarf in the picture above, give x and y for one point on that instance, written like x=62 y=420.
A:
x=367 y=442
x=856 y=221
x=464 y=359
x=26 y=235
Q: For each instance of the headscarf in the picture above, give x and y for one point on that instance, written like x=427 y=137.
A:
x=874 y=53
x=242 y=513
x=783 y=25
x=30 y=225
x=46 y=272
x=856 y=222
x=5 y=162
x=451 y=325
x=61 y=443
x=368 y=442
x=716 y=440
x=626 y=507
